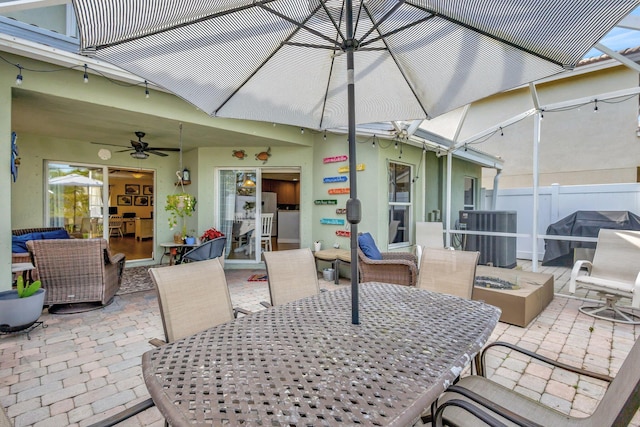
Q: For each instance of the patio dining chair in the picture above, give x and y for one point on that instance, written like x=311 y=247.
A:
x=478 y=401
x=448 y=272
x=192 y=297
x=291 y=274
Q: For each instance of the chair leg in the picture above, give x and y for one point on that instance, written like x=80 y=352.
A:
x=610 y=311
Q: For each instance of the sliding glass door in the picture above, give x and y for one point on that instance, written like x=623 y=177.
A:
x=239 y=204
x=76 y=199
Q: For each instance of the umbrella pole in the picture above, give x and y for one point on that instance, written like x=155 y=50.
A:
x=353 y=204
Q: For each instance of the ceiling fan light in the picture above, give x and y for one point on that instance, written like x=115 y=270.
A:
x=139 y=155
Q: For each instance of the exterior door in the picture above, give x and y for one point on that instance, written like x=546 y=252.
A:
x=239 y=209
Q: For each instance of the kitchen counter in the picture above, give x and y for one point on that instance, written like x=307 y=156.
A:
x=288 y=226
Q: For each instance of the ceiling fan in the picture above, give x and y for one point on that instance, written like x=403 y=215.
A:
x=140 y=149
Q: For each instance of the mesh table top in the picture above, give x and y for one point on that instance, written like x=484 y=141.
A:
x=304 y=363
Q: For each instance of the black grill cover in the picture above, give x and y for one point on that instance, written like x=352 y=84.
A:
x=584 y=224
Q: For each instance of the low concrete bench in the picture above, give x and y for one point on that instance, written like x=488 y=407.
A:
x=334 y=256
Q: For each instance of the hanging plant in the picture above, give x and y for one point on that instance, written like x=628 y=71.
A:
x=179 y=206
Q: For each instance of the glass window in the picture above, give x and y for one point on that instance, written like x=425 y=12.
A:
x=469 y=193
x=399 y=204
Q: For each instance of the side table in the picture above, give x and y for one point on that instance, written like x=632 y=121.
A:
x=25 y=268
x=334 y=256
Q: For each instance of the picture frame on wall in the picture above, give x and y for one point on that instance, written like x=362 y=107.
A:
x=124 y=200
x=147 y=190
x=141 y=201
x=132 y=189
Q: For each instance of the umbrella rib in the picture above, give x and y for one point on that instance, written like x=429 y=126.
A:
x=491 y=36
x=397 y=30
x=179 y=25
x=315 y=46
x=382 y=20
x=300 y=24
x=404 y=76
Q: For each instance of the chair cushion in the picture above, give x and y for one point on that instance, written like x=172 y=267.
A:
x=55 y=234
x=19 y=243
x=368 y=246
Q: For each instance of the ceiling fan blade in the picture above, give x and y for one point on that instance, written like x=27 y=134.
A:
x=126 y=149
x=163 y=149
x=103 y=143
x=157 y=153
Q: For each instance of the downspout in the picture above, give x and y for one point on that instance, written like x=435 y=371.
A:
x=494 y=196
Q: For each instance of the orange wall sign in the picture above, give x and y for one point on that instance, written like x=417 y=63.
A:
x=339 y=190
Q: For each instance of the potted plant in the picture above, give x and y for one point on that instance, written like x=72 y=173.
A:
x=21 y=307
x=210 y=234
x=179 y=206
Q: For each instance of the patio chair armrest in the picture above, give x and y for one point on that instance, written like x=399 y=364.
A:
x=240 y=310
x=113 y=259
x=482 y=366
x=400 y=261
x=470 y=408
x=400 y=256
x=479 y=413
x=157 y=342
x=266 y=304
x=575 y=271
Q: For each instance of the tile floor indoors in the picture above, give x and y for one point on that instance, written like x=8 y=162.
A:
x=84 y=367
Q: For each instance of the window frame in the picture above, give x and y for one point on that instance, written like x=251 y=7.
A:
x=474 y=186
x=408 y=227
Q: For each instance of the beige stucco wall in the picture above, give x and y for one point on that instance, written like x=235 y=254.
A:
x=578 y=146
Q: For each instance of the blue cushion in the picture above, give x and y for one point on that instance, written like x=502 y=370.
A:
x=368 y=246
x=19 y=243
x=55 y=234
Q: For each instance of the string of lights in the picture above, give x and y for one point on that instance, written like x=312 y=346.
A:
x=20 y=77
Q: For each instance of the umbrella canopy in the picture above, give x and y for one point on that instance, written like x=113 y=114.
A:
x=299 y=62
x=75 y=180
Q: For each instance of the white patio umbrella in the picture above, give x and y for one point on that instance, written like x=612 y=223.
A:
x=299 y=62
x=75 y=180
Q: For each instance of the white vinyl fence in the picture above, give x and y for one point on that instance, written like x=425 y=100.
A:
x=556 y=202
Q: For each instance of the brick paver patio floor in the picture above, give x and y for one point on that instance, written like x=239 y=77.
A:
x=85 y=367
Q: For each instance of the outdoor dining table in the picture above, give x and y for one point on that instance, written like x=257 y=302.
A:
x=305 y=363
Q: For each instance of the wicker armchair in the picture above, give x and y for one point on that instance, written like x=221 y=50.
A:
x=19 y=257
x=77 y=270
x=394 y=267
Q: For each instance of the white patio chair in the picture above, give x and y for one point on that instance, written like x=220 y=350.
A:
x=614 y=273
